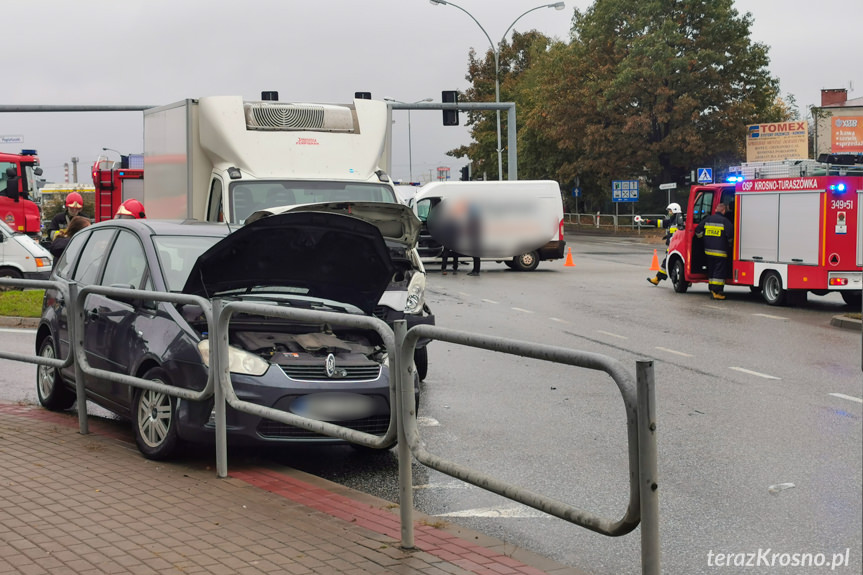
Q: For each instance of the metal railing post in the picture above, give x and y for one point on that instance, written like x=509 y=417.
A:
x=404 y=400
x=647 y=468
x=219 y=406
x=75 y=317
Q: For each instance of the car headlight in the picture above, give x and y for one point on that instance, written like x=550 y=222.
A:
x=416 y=293
x=239 y=361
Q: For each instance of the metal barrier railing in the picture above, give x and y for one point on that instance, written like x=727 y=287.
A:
x=640 y=424
x=400 y=343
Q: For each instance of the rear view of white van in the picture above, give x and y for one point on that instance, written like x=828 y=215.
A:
x=516 y=222
x=21 y=257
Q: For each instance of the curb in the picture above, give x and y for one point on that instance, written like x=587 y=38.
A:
x=19 y=322
x=846 y=322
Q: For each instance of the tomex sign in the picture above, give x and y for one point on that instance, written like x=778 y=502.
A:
x=777 y=141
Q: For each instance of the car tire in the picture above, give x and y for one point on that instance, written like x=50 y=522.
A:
x=678 y=276
x=11 y=274
x=155 y=419
x=853 y=298
x=50 y=388
x=526 y=262
x=509 y=264
x=771 y=289
x=421 y=362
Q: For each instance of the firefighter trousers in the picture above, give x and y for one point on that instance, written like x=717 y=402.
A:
x=717 y=268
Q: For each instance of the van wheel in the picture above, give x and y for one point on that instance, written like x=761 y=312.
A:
x=771 y=289
x=50 y=387
x=678 y=276
x=526 y=262
x=12 y=274
x=155 y=420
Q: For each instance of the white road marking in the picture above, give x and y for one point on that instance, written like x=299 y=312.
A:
x=713 y=306
x=848 y=397
x=511 y=512
x=558 y=320
x=16 y=330
x=490 y=301
x=612 y=334
x=521 y=310
x=427 y=421
x=768 y=316
x=750 y=372
x=459 y=485
x=675 y=352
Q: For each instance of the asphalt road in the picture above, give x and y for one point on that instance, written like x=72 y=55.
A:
x=759 y=415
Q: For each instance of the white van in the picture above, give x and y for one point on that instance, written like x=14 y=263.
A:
x=519 y=223
x=21 y=257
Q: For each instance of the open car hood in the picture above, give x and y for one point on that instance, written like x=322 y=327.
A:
x=324 y=255
x=396 y=222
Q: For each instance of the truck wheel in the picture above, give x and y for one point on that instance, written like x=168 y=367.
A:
x=678 y=276
x=771 y=289
x=155 y=419
x=526 y=262
x=50 y=387
x=853 y=298
x=12 y=274
x=421 y=362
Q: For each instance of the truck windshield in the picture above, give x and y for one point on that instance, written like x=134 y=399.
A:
x=250 y=196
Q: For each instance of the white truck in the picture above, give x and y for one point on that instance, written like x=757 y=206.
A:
x=221 y=158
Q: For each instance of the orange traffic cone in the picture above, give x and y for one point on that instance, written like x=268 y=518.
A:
x=655 y=265
x=569 y=262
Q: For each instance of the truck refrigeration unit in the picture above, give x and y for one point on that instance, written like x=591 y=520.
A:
x=798 y=228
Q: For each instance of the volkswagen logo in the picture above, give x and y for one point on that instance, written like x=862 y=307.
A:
x=331 y=365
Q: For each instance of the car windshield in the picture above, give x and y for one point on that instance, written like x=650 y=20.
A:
x=250 y=196
x=177 y=255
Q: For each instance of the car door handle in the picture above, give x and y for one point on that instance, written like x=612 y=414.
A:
x=93 y=314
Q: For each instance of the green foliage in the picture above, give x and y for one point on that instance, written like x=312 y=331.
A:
x=648 y=90
x=27 y=303
x=54 y=202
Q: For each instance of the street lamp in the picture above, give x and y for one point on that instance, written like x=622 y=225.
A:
x=496 y=51
x=410 y=156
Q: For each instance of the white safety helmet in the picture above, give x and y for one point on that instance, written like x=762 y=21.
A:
x=674 y=208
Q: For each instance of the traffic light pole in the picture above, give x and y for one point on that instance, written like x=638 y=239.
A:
x=512 y=145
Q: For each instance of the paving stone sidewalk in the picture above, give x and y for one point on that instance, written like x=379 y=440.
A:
x=91 y=504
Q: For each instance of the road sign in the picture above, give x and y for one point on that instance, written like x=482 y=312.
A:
x=670 y=186
x=11 y=139
x=705 y=175
x=624 y=190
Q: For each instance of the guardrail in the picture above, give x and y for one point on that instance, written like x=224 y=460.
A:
x=637 y=394
x=614 y=221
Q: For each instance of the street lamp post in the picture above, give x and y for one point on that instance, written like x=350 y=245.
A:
x=496 y=51
x=410 y=154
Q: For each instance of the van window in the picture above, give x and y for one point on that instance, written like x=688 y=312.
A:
x=703 y=206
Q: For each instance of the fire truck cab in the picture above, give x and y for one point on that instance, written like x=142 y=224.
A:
x=116 y=182
x=794 y=233
x=18 y=173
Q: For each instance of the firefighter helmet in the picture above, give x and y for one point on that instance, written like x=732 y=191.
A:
x=673 y=207
x=75 y=201
x=131 y=209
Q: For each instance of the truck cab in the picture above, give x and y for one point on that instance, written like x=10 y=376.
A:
x=18 y=173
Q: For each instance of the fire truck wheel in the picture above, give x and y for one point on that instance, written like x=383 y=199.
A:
x=771 y=289
x=678 y=276
x=853 y=298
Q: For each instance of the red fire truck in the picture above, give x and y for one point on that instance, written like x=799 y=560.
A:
x=116 y=182
x=18 y=174
x=792 y=235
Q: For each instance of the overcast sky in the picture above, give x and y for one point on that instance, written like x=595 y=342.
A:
x=153 y=52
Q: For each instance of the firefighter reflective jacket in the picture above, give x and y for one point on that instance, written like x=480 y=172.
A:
x=717 y=234
x=671 y=224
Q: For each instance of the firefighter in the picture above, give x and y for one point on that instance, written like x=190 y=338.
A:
x=717 y=234
x=74 y=203
x=672 y=222
x=131 y=209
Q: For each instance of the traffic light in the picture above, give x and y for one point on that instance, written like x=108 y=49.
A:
x=465 y=173
x=450 y=117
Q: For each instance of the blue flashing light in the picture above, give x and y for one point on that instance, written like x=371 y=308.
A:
x=734 y=179
x=839 y=188
x=28 y=152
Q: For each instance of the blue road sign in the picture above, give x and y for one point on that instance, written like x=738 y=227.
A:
x=624 y=190
x=705 y=175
